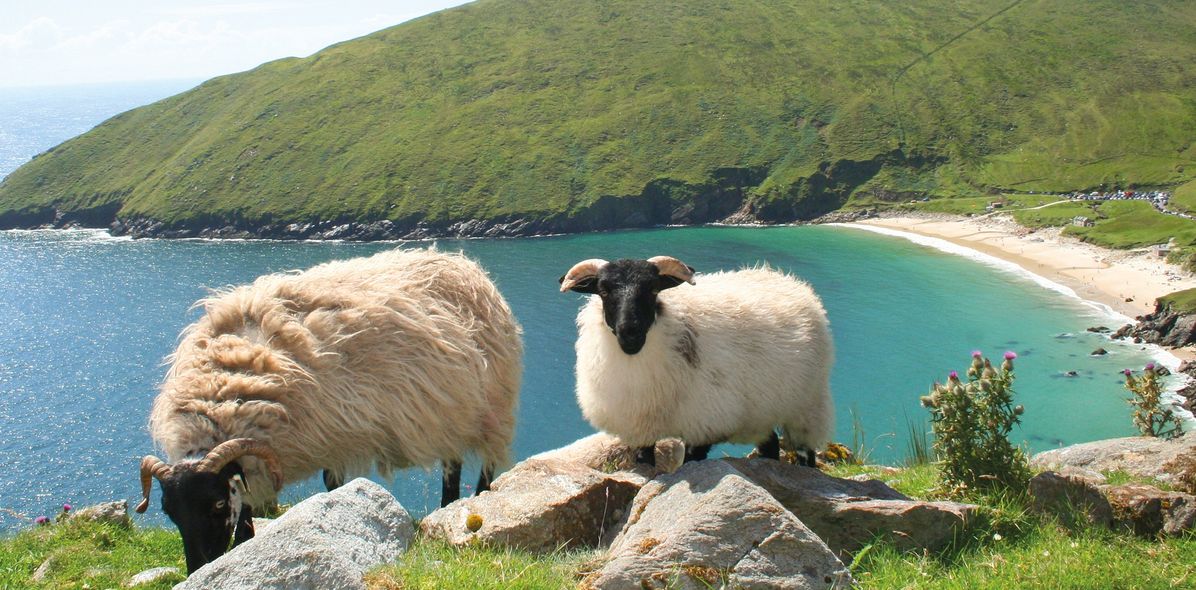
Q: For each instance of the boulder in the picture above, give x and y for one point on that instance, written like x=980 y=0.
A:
x=849 y=514
x=708 y=526
x=1144 y=509
x=326 y=541
x=1140 y=456
x=544 y=503
x=1072 y=493
x=114 y=513
x=151 y=576
x=1149 y=511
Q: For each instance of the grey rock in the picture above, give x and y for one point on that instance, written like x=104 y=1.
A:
x=43 y=570
x=1146 y=510
x=850 y=514
x=1163 y=460
x=151 y=575
x=115 y=513
x=327 y=541
x=707 y=526
x=543 y=503
x=1149 y=511
x=1072 y=493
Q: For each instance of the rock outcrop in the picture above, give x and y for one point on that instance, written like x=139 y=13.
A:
x=708 y=526
x=849 y=514
x=1146 y=510
x=327 y=541
x=1163 y=326
x=1168 y=461
x=542 y=504
x=114 y=513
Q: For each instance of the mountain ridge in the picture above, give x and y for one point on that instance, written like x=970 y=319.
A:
x=510 y=118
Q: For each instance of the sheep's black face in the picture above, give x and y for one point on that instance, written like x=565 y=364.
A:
x=628 y=289
x=206 y=508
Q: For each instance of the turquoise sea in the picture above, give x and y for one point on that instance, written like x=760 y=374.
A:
x=86 y=320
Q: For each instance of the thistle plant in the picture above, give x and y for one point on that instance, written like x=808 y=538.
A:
x=1150 y=416
x=971 y=423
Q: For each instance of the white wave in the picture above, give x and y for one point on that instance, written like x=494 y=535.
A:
x=75 y=234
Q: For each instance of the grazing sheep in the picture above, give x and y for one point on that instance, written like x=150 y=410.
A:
x=727 y=359
x=402 y=358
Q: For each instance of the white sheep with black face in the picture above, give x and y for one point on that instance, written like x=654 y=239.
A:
x=407 y=357
x=728 y=358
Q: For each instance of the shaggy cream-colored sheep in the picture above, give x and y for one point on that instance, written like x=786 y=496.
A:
x=403 y=358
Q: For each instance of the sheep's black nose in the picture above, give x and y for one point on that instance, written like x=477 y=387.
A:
x=631 y=342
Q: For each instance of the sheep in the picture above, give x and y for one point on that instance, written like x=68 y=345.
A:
x=728 y=359
x=395 y=360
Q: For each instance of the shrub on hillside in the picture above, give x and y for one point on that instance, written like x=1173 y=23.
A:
x=971 y=423
x=1151 y=416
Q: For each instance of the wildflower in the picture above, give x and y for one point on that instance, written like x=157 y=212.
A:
x=1127 y=372
x=953 y=376
x=42 y=520
x=997 y=536
x=1010 y=355
x=976 y=354
x=1149 y=366
x=66 y=507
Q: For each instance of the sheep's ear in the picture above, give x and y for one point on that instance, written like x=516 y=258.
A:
x=667 y=282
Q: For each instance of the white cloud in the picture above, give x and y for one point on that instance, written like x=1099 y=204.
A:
x=42 y=32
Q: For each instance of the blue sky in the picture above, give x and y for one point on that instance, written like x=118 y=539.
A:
x=51 y=42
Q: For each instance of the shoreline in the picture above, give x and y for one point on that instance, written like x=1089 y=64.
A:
x=1123 y=283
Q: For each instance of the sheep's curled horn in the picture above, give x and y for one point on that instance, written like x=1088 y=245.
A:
x=224 y=453
x=667 y=265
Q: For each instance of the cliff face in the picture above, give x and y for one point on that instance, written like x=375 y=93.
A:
x=510 y=117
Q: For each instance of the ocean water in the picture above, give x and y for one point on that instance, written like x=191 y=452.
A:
x=86 y=321
x=35 y=119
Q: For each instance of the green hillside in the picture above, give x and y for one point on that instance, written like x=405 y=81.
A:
x=564 y=116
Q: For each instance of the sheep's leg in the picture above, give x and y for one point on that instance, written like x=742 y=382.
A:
x=696 y=453
x=484 y=480
x=771 y=448
x=806 y=457
x=244 y=530
x=450 y=487
x=646 y=455
x=332 y=480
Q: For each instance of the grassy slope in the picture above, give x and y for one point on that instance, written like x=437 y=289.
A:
x=539 y=108
x=1010 y=548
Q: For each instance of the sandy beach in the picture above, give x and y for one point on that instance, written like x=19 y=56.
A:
x=1126 y=281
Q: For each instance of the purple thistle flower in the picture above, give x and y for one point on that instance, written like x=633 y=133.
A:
x=1010 y=355
x=977 y=354
x=953 y=375
x=1127 y=372
x=66 y=507
x=1149 y=366
x=42 y=520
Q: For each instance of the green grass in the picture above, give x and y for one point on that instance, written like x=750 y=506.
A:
x=432 y=564
x=88 y=555
x=1183 y=302
x=1046 y=556
x=592 y=111
x=1008 y=546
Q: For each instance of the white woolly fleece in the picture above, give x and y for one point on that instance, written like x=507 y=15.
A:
x=763 y=359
